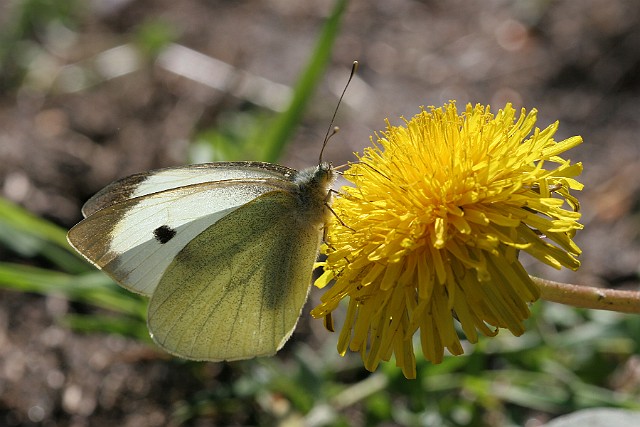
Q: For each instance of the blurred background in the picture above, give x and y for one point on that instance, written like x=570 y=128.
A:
x=91 y=91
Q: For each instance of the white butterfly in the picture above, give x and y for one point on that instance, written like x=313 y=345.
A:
x=225 y=251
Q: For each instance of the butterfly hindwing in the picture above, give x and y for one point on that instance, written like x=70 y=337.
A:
x=237 y=289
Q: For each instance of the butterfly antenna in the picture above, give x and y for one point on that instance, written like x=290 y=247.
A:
x=332 y=130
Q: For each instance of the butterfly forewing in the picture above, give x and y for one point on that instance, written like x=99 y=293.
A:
x=164 y=179
x=135 y=240
x=221 y=298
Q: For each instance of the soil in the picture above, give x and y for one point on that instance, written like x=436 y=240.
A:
x=71 y=124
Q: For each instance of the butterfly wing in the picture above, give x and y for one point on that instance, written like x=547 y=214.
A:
x=135 y=239
x=237 y=289
x=158 y=180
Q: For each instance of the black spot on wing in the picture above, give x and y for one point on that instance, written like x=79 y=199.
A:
x=164 y=233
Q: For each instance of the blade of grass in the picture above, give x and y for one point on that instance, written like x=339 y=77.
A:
x=30 y=236
x=279 y=133
x=122 y=325
x=20 y=218
x=93 y=288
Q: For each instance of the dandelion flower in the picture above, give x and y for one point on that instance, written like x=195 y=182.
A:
x=431 y=231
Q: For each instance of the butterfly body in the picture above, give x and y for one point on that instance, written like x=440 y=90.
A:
x=225 y=251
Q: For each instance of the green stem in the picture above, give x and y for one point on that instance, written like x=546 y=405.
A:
x=280 y=132
x=589 y=297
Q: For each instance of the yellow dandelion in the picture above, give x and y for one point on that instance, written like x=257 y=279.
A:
x=431 y=231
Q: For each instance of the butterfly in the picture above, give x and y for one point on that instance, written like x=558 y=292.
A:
x=224 y=251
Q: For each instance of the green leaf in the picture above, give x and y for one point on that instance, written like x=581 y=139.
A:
x=154 y=35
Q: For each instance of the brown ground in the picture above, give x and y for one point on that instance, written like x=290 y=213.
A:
x=577 y=62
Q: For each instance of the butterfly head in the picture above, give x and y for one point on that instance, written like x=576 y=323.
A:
x=313 y=186
x=316 y=179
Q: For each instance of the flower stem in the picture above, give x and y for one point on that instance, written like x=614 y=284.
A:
x=589 y=297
